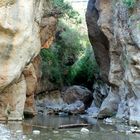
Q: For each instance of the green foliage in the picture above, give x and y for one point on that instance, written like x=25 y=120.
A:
x=129 y=3
x=50 y=66
x=84 y=70
x=69 y=59
x=64 y=51
x=65 y=10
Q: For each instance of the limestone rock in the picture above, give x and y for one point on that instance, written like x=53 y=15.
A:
x=119 y=24
x=53 y=103
x=77 y=107
x=98 y=39
x=101 y=91
x=75 y=93
x=31 y=81
x=48 y=29
x=20 y=24
x=12 y=101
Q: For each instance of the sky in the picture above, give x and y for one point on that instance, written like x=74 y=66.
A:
x=79 y=5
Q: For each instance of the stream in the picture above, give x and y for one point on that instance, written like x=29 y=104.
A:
x=48 y=128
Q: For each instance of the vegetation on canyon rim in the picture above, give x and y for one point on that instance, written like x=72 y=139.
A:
x=129 y=3
x=70 y=60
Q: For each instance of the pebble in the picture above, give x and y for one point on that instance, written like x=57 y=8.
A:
x=36 y=132
x=108 y=120
x=19 y=131
x=128 y=132
x=55 y=132
x=132 y=130
x=24 y=137
x=84 y=131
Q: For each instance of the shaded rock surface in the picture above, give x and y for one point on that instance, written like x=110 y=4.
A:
x=55 y=101
x=74 y=93
x=31 y=81
x=114 y=26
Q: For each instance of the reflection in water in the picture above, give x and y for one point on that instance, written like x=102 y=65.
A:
x=24 y=131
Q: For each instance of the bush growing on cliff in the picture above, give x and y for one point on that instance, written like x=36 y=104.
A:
x=84 y=70
x=69 y=60
x=65 y=10
x=129 y=3
x=63 y=53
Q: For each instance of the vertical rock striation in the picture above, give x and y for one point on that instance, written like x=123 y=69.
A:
x=20 y=23
x=120 y=24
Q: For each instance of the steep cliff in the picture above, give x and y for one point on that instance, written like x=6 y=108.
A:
x=114 y=31
x=20 y=24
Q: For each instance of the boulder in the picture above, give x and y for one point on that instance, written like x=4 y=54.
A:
x=75 y=93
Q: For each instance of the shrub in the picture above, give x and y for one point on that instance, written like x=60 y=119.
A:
x=65 y=10
x=68 y=61
x=129 y=3
x=84 y=70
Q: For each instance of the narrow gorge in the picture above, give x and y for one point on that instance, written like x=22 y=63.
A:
x=47 y=64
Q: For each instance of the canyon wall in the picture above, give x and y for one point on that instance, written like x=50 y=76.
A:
x=114 y=32
x=22 y=23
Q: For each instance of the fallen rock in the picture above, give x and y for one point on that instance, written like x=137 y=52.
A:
x=36 y=132
x=84 y=131
x=93 y=110
x=109 y=106
x=75 y=93
x=75 y=108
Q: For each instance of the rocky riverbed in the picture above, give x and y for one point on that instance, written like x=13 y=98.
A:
x=43 y=128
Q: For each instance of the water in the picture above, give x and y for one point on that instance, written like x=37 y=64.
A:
x=48 y=127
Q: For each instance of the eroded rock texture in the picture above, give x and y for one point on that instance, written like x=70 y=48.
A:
x=20 y=22
x=120 y=25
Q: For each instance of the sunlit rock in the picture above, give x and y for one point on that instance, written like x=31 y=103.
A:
x=36 y=132
x=84 y=131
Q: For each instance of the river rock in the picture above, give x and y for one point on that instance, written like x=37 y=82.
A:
x=75 y=108
x=36 y=132
x=50 y=102
x=76 y=93
x=84 y=131
x=93 y=110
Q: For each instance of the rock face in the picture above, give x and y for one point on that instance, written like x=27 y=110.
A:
x=20 y=24
x=117 y=24
x=98 y=40
x=12 y=100
x=31 y=81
